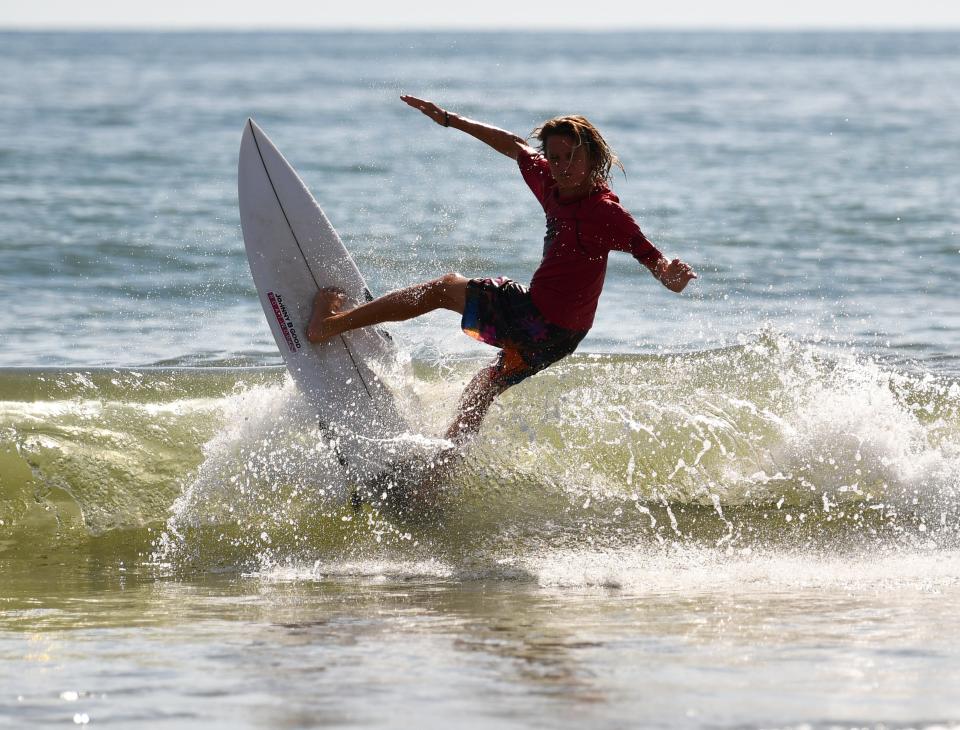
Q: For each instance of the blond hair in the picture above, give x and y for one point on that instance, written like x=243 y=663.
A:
x=601 y=156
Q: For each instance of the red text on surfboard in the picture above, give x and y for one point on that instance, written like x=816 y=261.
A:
x=283 y=319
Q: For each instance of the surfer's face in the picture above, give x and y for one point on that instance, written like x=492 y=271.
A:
x=569 y=162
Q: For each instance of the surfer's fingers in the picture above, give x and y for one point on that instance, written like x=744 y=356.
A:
x=683 y=267
x=430 y=109
x=427 y=107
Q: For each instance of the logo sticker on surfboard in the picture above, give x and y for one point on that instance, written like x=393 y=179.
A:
x=287 y=329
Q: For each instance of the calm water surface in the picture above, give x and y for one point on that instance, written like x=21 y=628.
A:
x=836 y=648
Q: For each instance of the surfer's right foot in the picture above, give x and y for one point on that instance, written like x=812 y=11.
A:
x=326 y=303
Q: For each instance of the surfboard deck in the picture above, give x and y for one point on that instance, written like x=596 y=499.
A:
x=294 y=251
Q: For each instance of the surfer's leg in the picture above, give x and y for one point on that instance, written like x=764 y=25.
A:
x=508 y=369
x=474 y=404
x=447 y=292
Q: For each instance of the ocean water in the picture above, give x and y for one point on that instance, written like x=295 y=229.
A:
x=738 y=507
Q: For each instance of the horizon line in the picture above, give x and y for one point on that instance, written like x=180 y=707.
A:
x=220 y=28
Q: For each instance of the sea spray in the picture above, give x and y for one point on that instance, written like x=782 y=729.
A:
x=769 y=443
x=271 y=486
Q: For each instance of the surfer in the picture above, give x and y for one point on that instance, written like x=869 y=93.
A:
x=537 y=326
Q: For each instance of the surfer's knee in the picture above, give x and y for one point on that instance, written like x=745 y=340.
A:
x=449 y=290
x=446 y=282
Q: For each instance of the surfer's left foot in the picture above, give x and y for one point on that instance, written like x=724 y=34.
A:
x=326 y=303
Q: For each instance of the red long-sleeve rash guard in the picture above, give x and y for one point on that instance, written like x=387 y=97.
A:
x=580 y=235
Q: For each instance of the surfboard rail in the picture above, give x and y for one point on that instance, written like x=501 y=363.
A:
x=294 y=251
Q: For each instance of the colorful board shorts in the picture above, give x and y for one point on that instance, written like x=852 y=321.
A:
x=501 y=313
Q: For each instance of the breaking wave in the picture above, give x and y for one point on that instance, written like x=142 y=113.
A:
x=767 y=446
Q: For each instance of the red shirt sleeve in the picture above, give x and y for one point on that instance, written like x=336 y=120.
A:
x=536 y=173
x=628 y=237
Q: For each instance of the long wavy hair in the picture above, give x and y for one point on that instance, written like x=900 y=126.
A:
x=580 y=129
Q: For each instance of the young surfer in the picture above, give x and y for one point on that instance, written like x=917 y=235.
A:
x=534 y=327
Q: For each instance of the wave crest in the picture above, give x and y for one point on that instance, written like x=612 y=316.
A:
x=767 y=443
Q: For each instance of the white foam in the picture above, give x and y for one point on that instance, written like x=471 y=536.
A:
x=378 y=569
x=268 y=438
x=852 y=435
x=688 y=571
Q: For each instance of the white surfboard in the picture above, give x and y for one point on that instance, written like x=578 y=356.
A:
x=293 y=252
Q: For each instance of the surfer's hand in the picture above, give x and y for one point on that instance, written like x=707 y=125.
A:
x=437 y=114
x=675 y=275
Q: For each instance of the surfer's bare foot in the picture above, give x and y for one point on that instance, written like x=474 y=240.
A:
x=326 y=304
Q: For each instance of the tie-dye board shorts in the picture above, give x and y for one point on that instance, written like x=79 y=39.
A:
x=501 y=313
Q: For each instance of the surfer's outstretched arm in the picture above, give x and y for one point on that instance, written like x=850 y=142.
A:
x=504 y=142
